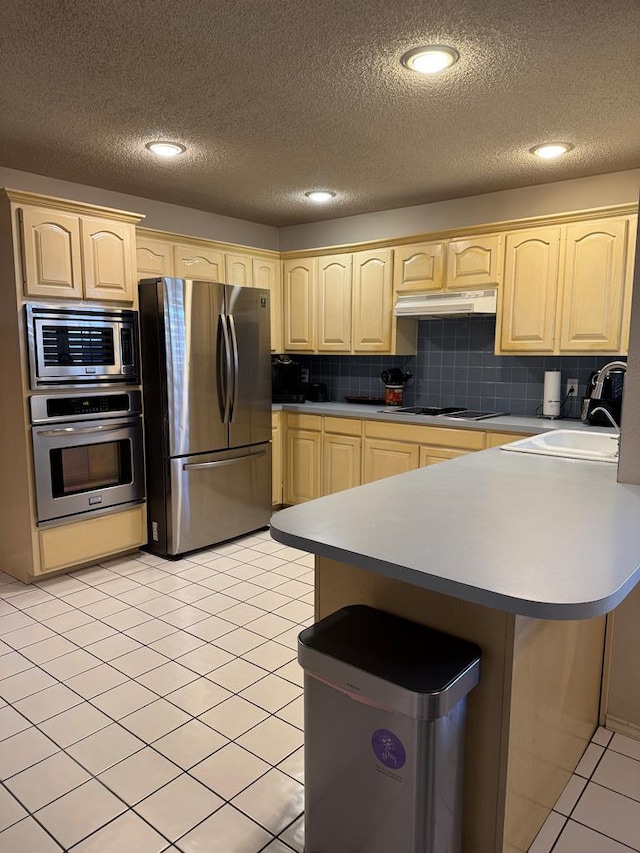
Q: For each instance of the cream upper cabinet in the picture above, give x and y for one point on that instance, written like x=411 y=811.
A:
x=418 y=267
x=51 y=256
x=372 y=301
x=108 y=256
x=266 y=274
x=474 y=262
x=299 y=292
x=153 y=258
x=593 y=295
x=200 y=263
x=528 y=306
x=238 y=269
x=334 y=303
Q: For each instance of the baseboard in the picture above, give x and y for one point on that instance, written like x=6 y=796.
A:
x=623 y=727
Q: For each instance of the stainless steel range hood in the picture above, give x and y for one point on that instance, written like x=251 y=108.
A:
x=463 y=304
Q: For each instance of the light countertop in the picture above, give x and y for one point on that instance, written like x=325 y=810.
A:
x=532 y=535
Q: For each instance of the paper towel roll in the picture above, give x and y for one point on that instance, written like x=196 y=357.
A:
x=551 y=394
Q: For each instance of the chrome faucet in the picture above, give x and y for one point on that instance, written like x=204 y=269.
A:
x=603 y=374
x=608 y=415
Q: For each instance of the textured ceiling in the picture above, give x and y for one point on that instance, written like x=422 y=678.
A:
x=274 y=97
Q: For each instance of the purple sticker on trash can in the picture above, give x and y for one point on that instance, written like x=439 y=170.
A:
x=388 y=748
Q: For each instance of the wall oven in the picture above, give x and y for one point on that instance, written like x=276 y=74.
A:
x=75 y=345
x=88 y=452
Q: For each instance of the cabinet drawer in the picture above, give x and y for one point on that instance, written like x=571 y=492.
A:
x=92 y=539
x=298 y=421
x=343 y=426
x=459 y=439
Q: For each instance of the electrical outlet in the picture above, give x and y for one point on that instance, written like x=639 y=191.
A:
x=572 y=388
x=304 y=374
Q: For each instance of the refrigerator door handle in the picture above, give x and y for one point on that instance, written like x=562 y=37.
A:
x=223 y=365
x=234 y=382
x=192 y=466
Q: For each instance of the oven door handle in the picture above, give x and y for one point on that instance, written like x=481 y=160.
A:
x=80 y=431
x=192 y=466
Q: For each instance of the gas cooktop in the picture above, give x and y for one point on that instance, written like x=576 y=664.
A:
x=444 y=412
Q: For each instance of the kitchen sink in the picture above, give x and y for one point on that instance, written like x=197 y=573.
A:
x=571 y=444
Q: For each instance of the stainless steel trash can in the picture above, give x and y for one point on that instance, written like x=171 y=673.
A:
x=384 y=711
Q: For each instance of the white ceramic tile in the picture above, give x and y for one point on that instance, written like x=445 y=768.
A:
x=94 y=575
x=229 y=770
x=48 y=703
x=587 y=764
x=227 y=831
x=24 y=637
x=113 y=647
x=218 y=582
x=72 y=664
x=289 y=638
x=268 y=546
x=95 y=681
x=293 y=672
x=290 y=553
x=139 y=595
x=570 y=796
x=576 y=838
x=308 y=560
x=620 y=773
x=274 y=801
x=67 y=621
x=272 y=740
x=139 y=661
x=241 y=614
x=123 y=700
x=269 y=562
x=48 y=610
x=236 y=675
x=126 y=834
x=22 y=750
x=179 y=806
x=73 y=725
x=122 y=620
x=80 y=812
x=243 y=591
x=92 y=632
x=244 y=571
x=239 y=641
x=62 y=585
x=15 y=622
x=293 y=713
x=234 y=717
x=11 y=722
x=24 y=684
x=609 y=813
x=49 y=649
x=192 y=594
x=160 y=605
x=268 y=580
x=205 y=658
x=150 y=631
x=619 y=743
x=296 y=611
x=105 y=748
x=294 y=835
x=167 y=678
x=271 y=693
x=199 y=696
x=10 y=811
x=294 y=588
x=217 y=602
x=139 y=775
x=85 y=597
x=155 y=720
x=119 y=586
x=602 y=736
x=169 y=584
x=269 y=600
x=277 y=846
x=269 y=655
x=223 y=562
x=12 y=663
x=27 y=835
x=190 y=744
x=185 y=616
x=293 y=765
x=271 y=625
x=195 y=573
x=176 y=644
x=212 y=628
x=46 y=781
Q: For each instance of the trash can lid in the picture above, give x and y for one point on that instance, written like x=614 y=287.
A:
x=402 y=652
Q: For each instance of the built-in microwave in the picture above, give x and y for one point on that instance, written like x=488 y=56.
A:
x=78 y=345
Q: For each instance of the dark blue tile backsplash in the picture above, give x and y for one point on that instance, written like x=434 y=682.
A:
x=455 y=365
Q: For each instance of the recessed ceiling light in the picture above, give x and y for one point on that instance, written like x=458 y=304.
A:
x=166 y=149
x=551 y=150
x=320 y=196
x=430 y=58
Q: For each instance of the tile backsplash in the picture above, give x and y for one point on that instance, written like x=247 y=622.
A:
x=455 y=365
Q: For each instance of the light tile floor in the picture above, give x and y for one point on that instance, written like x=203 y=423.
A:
x=150 y=705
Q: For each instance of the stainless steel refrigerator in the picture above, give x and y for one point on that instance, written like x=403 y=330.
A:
x=206 y=379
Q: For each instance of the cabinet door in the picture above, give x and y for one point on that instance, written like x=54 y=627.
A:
x=529 y=297
x=418 y=267
x=276 y=458
x=198 y=262
x=51 y=259
x=238 y=270
x=266 y=274
x=299 y=304
x=108 y=258
x=341 y=463
x=384 y=458
x=433 y=455
x=334 y=303
x=153 y=258
x=497 y=439
x=372 y=301
x=594 y=281
x=302 y=478
x=474 y=262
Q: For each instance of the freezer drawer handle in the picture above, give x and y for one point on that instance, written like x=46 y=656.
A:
x=75 y=431
x=234 y=376
x=191 y=466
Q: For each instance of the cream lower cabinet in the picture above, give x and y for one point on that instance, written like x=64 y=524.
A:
x=385 y=458
x=276 y=458
x=341 y=454
x=433 y=455
x=303 y=449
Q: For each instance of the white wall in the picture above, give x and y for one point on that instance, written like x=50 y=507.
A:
x=158 y=214
x=546 y=199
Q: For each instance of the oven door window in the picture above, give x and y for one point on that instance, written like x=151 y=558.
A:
x=89 y=467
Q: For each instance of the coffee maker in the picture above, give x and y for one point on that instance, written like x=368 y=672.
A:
x=286 y=382
x=602 y=403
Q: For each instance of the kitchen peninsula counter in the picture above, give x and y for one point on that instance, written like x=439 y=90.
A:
x=521 y=554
